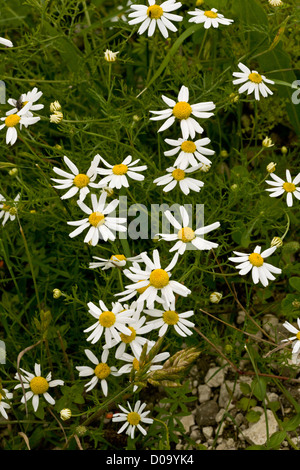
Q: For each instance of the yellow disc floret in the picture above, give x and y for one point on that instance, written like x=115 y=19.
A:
x=120 y=169
x=102 y=371
x=210 y=14
x=107 y=319
x=255 y=77
x=136 y=364
x=133 y=418
x=289 y=187
x=81 y=180
x=142 y=289
x=96 y=219
x=182 y=110
x=155 y=12
x=170 y=317
x=12 y=120
x=186 y=234
x=128 y=338
x=159 y=278
x=188 y=146
x=39 y=385
x=119 y=257
x=256 y=259
x=178 y=174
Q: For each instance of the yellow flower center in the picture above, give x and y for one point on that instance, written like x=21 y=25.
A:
x=289 y=187
x=133 y=418
x=39 y=385
x=256 y=260
x=24 y=103
x=81 y=180
x=119 y=257
x=142 y=289
x=155 y=12
x=136 y=364
x=170 y=317
x=298 y=335
x=128 y=338
x=159 y=278
x=182 y=110
x=107 y=319
x=210 y=14
x=96 y=219
x=178 y=174
x=120 y=169
x=186 y=234
x=12 y=120
x=188 y=146
x=102 y=371
x=255 y=77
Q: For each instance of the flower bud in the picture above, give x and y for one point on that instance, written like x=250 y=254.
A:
x=215 y=297
x=55 y=106
x=284 y=150
x=271 y=167
x=65 y=414
x=267 y=142
x=13 y=172
x=276 y=241
x=57 y=117
x=110 y=56
x=56 y=293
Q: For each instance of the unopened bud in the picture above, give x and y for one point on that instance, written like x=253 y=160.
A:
x=284 y=150
x=55 y=106
x=267 y=142
x=271 y=167
x=81 y=430
x=13 y=172
x=65 y=414
x=276 y=241
x=56 y=293
x=56 y=117
x=215 y=297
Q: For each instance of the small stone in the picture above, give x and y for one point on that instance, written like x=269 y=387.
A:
x=207 y=431
x=187 y=422
x=214 y=377
x=206 y=413
x=204 y=393
x=256 y=433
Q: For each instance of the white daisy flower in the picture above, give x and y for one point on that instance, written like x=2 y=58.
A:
x=275 y=3
x=183 y=111
x=100 y=372
x=13 y=120
x=190 y=153
x=77 y=182
x=133 y=361
x=133 y=418
x=115 y=261
x=100 y=226
x=8 y=210
x=155 y=15
x=5 y=396
x=289 y=187
x=6 y=42
x=210 y=18
x=186 y=235
x=155 y=280
x=117 y=174
x=29 y=97
x=38 y=385
x=169 y=317
x=178 y=176
x=252 y=82
x=295 y=338
x=261 y=271
x=110 y=56
x=135 y=339
x=110 y=322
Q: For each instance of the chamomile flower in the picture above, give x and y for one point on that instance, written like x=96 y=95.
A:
x=178 y=176
x=115 y=261
x=8 y=210
x=133 y=362
x=155 y=280
x=30 y=97
x=38 y=385
x=252 y=82
x=183 y=112
x=99 y=225
x=169 y=317
x=110 y=322
x=135 y=340
x=210 y=18
x=295 y=338
x=133 y=418
x=281 y=186
x=110 y=56
x=5 y=396
x=116 y=175
x=255 y=262
x=153 y=15
x=20 y=118
x=100 y=373
x=190 y=153
x=76 y=182
x=6 y=42
x=186 y=235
